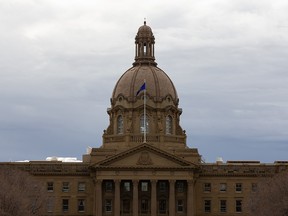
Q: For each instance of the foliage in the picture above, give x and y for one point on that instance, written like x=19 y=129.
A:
x=20 y=194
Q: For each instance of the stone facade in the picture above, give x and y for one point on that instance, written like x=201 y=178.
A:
x=144 y=166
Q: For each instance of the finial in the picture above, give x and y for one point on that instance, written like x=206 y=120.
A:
x=144 y=21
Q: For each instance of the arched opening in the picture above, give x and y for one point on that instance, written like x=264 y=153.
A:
x=169 y=124
x=144 y=124
x=120 y=124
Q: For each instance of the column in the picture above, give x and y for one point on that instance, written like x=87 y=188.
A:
x=98 y=197
x=171 y=197
x=190 y=201
x=117 y=198
x=135 y=197
x=153 y=198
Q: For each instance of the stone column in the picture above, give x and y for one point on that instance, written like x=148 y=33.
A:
x=190 y=201
x=153 y=198
x=171 y=197
x=117 y=198
x=98 y=197
x=135 y=197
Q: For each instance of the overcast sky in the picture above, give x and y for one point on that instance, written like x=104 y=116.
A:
x=60 y=60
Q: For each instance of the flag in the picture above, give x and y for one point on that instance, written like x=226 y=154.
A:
x=143 y=87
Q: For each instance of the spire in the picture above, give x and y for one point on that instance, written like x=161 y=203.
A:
x=144 y=46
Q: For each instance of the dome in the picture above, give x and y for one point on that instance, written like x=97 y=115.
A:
x=144 y=31
x=158 y=84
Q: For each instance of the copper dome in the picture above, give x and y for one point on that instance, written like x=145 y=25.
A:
x=158 y=84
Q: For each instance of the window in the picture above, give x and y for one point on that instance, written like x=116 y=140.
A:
x=142 y=123
x=162 y=206
x=108 y=205
x=108 y=186
x=144 y=186
x=223 y=206
x=207 y=187
x=238 y=206
x=145 y=49
x=81 y=186
x=50 y=186
x=223 y=187
x=144 y=206
x=50 y=204
x=65 y=205
x=238 y=187
x=162 y=186
x=207 y=205
x=65 y=186
x=180 y=186
x=81 y=205
x=180 y=206
x=127 y=186
x=126 y=206
x=254 y=187
x=120 y=125
x=169 y=124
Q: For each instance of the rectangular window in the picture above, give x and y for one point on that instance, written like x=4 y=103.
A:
x=108 y=205
x=223 y=206
x=127 y=186
x=180 y=186
x=65 y=186
x=126 y=206
x=180 y=205
x=50 y=204
x=223 y=187
x=162 y=186
x=162 y=206
x=207 y=205
x=238 y=205
x=144 y=186
x=238 y=187
x=81 y=186
x=207 y=187
x=254 y=187
x=108 y=186
x=81 y=205
x=144 y=206
x=50 y=186
x=65 y=205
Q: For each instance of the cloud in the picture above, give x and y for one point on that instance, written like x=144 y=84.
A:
x=60 y=60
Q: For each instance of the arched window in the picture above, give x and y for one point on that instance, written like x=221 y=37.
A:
x=142 y=123
x=120 y=124
x=169 y=124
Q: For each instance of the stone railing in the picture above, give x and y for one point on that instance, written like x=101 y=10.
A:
x=139 y=138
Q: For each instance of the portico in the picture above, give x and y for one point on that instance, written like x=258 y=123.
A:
x=165 y=186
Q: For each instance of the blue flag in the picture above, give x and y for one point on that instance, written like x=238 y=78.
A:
x=143 y=87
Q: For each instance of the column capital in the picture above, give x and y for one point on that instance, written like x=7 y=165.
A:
x=191 y=182
x=172 y=181
x=135 y=181
x=97 y=181
x=153 y=181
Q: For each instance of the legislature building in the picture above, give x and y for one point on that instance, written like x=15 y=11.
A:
x=144 y=166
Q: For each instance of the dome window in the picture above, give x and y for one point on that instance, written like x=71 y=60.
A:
x=169 y=124
x=143 y=122
x=120 y=124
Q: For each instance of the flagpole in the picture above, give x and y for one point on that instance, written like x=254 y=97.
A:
x=145 y=112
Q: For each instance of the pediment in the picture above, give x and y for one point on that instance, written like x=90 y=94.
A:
x=145 y=156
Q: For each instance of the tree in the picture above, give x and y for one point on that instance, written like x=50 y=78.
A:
x=20 y=193
x=271 y=197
